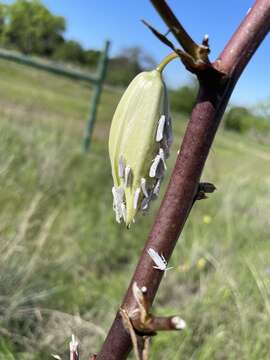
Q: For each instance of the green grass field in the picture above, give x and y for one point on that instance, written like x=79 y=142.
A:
x=65 y=263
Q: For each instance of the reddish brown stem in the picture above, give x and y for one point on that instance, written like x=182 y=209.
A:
x=212 y=100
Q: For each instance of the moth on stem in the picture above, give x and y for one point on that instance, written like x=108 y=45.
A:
x=159 y=260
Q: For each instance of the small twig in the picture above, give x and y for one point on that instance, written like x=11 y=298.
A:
x=146 y=323
x=146 y=349
x=140 y=354
x=193 y=64
x=196 y=51
x=74 y=348
x=161 y=37
x=130 y=329
x=185 y=40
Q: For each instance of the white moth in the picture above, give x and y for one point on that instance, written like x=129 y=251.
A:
x=118 y=196
x=154 y=167
x=160 y=129
x=162 y=157
x=127 y=176
x=157 y=188
x=145 y=204
x=143 y=186
x=123 y=211
x=136 y=198
x=159 y=260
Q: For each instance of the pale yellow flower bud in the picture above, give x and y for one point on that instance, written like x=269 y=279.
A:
x=139 y=142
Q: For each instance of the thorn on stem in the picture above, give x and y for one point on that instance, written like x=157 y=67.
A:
x=160 y=36
x=146 y=323
x=146 y=347
x=207 y=187
x=167 y=32
x=201 y=195
x=205 y=41
x=203 y=189
x=129 y=327
x=144 y=289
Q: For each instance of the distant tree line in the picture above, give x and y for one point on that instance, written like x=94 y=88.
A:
x=242 y=119
x=29 y=27
x=239 y=119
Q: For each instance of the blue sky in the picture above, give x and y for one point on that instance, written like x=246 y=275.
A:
x=93 y=21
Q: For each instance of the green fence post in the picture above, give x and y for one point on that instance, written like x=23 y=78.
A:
x=102 y=68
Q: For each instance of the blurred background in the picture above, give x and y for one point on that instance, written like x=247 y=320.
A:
x=65 y=263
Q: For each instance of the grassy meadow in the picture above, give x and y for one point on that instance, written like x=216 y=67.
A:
x=65 y=263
